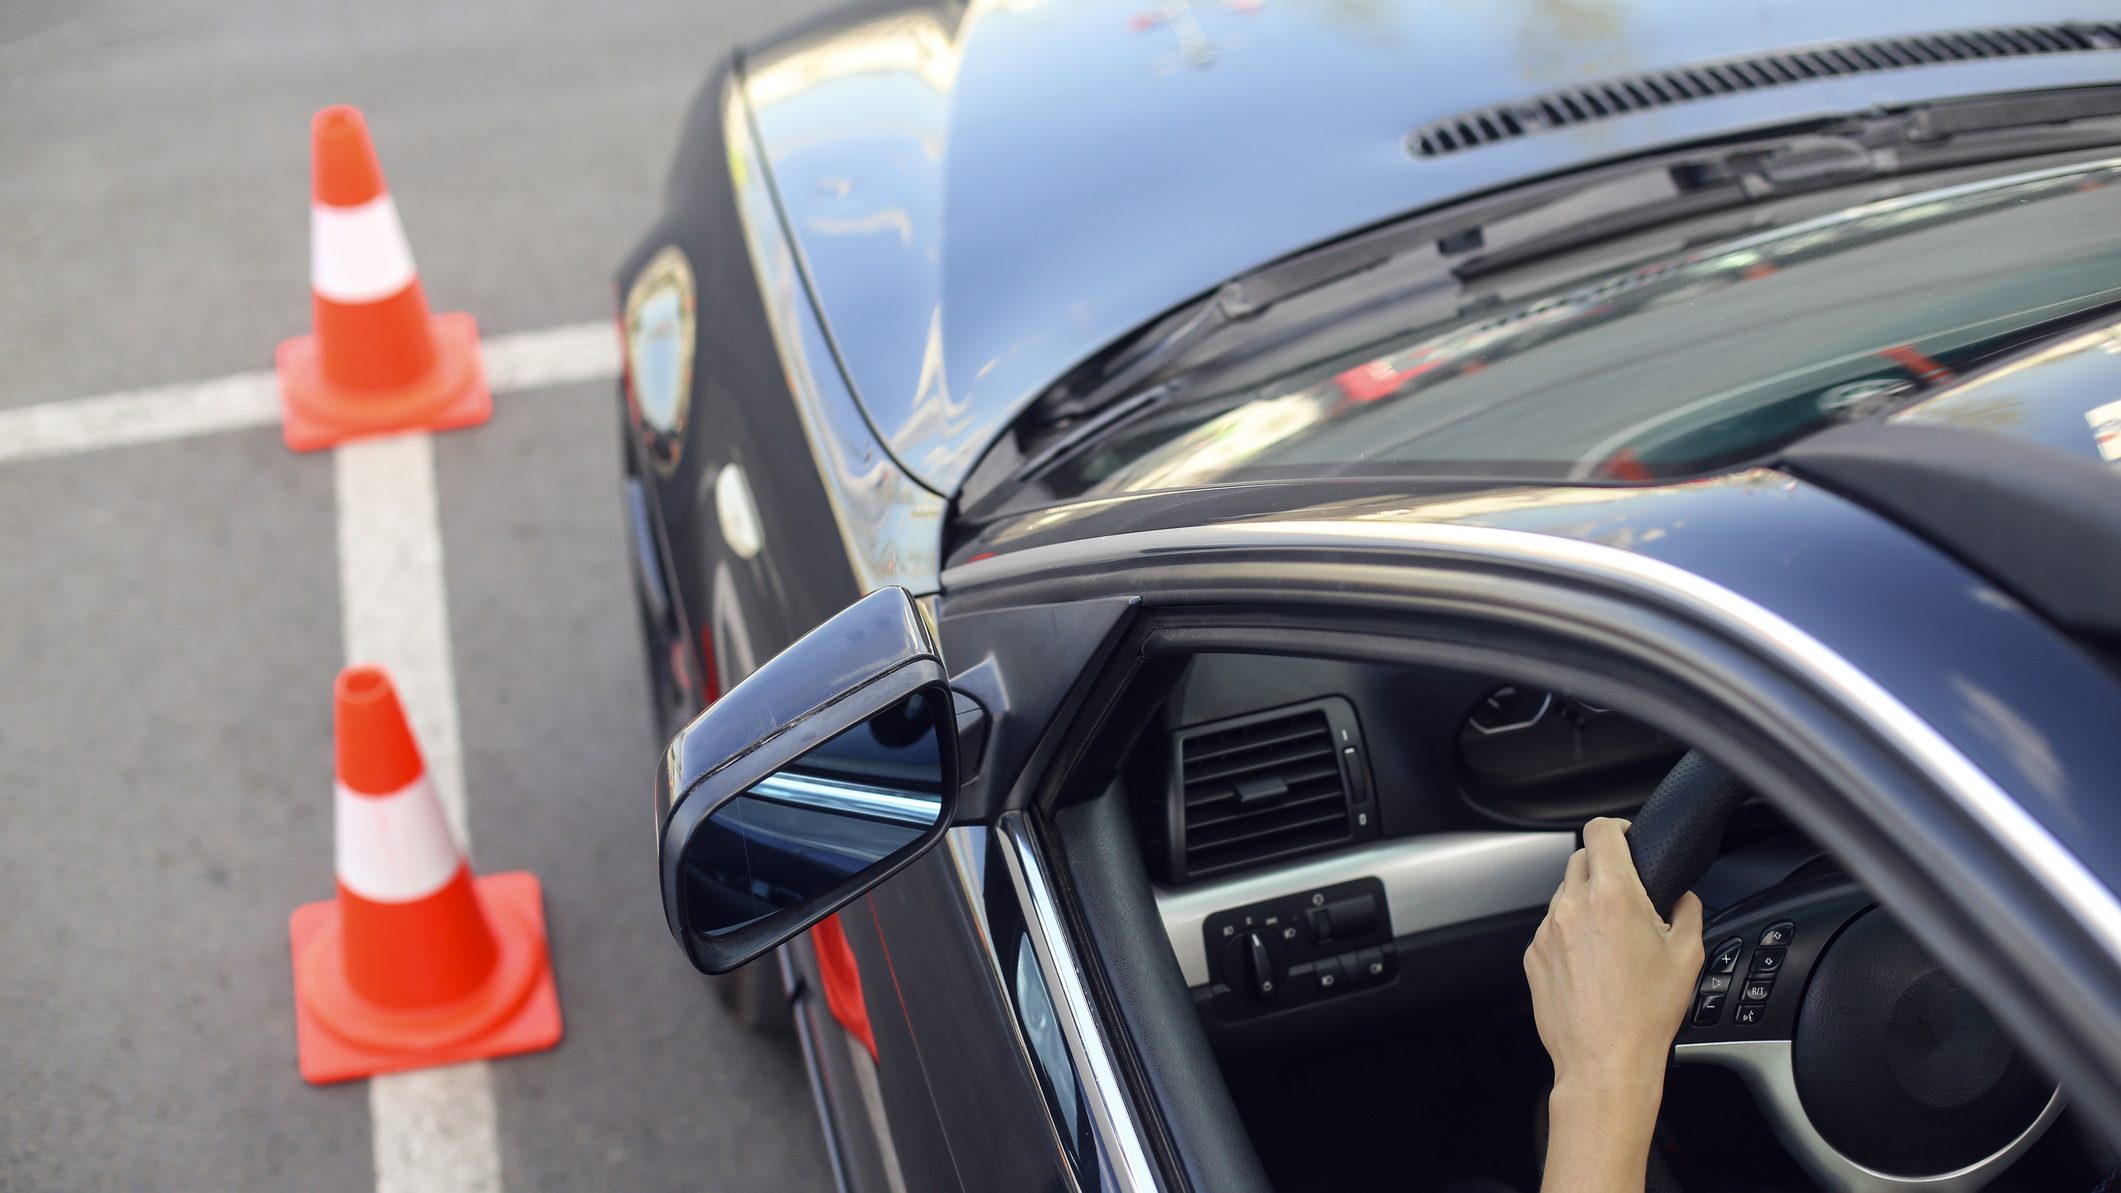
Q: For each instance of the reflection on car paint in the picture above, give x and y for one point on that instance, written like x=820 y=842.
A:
x=2058 y=395
x=847 y=799
x=659 y=322
x=890 y=527
x=1034 y=1011
x=847 y=803
x=1007 y=910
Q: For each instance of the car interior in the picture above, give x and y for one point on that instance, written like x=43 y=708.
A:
x=1349 y=859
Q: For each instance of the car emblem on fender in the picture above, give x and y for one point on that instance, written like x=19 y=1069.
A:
x=660 y=312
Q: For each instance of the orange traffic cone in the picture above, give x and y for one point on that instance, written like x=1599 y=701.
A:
x=416 y=963
x=377 y=361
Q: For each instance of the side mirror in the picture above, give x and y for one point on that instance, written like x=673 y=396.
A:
x=822 y=774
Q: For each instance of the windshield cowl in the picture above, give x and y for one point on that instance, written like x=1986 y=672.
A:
x=1644 y=359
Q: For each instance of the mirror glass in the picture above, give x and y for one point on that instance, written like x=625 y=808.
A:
x=805 y=830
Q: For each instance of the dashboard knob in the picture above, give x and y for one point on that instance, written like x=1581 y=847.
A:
x=1263 y=969
x=1253 y=966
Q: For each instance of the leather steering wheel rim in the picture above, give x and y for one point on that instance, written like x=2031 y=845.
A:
x=1674 y=838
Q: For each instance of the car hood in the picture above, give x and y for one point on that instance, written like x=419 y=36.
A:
x=984 y=198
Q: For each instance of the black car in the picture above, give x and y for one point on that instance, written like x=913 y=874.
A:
x=1156 y=526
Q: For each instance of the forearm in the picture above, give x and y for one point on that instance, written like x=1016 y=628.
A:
x=1598 y=1135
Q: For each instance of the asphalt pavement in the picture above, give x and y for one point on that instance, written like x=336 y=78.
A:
x=172 y=610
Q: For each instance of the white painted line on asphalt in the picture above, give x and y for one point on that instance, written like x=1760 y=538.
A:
x=435 y=1130
x=555 y=356
x=523 y=360
x=394 y=607
x=141 y=416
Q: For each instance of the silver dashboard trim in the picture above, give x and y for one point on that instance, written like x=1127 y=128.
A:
x=1767 y=1070
x=1430 y=881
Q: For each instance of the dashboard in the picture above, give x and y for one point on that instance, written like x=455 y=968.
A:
x=1348 y=861
x=1318 y=829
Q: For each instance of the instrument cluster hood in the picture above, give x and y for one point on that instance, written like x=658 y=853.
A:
x=983 y=197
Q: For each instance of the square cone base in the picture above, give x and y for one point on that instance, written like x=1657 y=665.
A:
x=315 y=414
x=326 y=1057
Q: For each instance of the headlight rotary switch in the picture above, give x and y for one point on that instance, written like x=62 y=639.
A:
x=1253 y=964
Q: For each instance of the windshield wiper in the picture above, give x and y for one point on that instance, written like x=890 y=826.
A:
x=1544 y=218
x=1915 y=140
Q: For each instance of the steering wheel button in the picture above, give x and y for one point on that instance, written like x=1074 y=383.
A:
x=1777 y=935
x=1767 y=960
x=1725 y=958
x=1756 y=990
x=1708 y=1009
x=1747 y=1014
x=1716 y=983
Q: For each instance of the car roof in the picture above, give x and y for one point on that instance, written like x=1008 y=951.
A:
x=984 y=198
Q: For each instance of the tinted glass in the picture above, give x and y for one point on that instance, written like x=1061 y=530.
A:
x=1636 y=360
x=803 y=831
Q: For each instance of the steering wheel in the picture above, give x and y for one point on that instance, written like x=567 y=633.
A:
x=1874 y=1066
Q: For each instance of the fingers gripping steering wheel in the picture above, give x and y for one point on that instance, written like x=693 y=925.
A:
x=1870 y=1061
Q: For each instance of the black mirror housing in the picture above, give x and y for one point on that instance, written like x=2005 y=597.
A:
x=822 y=774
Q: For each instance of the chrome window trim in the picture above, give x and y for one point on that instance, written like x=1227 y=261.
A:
x=1768 y=1072
x=2046 y=859
x=1117 y=1126
x=1431 y=881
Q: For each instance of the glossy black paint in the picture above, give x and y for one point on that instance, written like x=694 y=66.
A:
x=864 y=662
x=986 y=196
x=737 y=612
x=1000 y=1136
x=740 y=414
x=2043 y=524
x=1047 y=649
x=2042 y=396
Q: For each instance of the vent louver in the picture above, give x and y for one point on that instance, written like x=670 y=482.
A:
x=1658 y=89
x=1259 y=787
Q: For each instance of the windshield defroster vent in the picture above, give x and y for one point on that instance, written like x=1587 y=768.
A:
x=1268 y=785
x=1659 y=89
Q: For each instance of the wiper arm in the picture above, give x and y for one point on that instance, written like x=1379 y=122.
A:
x=1487 y=235
x=1927 y=137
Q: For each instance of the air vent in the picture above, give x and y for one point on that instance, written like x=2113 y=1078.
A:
x=1266 y=786
x=1661 y=89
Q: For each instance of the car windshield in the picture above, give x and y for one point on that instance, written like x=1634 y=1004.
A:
x=1643 y=360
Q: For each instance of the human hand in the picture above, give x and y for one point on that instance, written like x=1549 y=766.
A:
x=1611 y=982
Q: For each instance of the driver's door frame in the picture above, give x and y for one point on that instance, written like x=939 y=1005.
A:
x=1893 y=795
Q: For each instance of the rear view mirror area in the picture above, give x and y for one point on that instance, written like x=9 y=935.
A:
x=819 y=776
x=864 y=796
